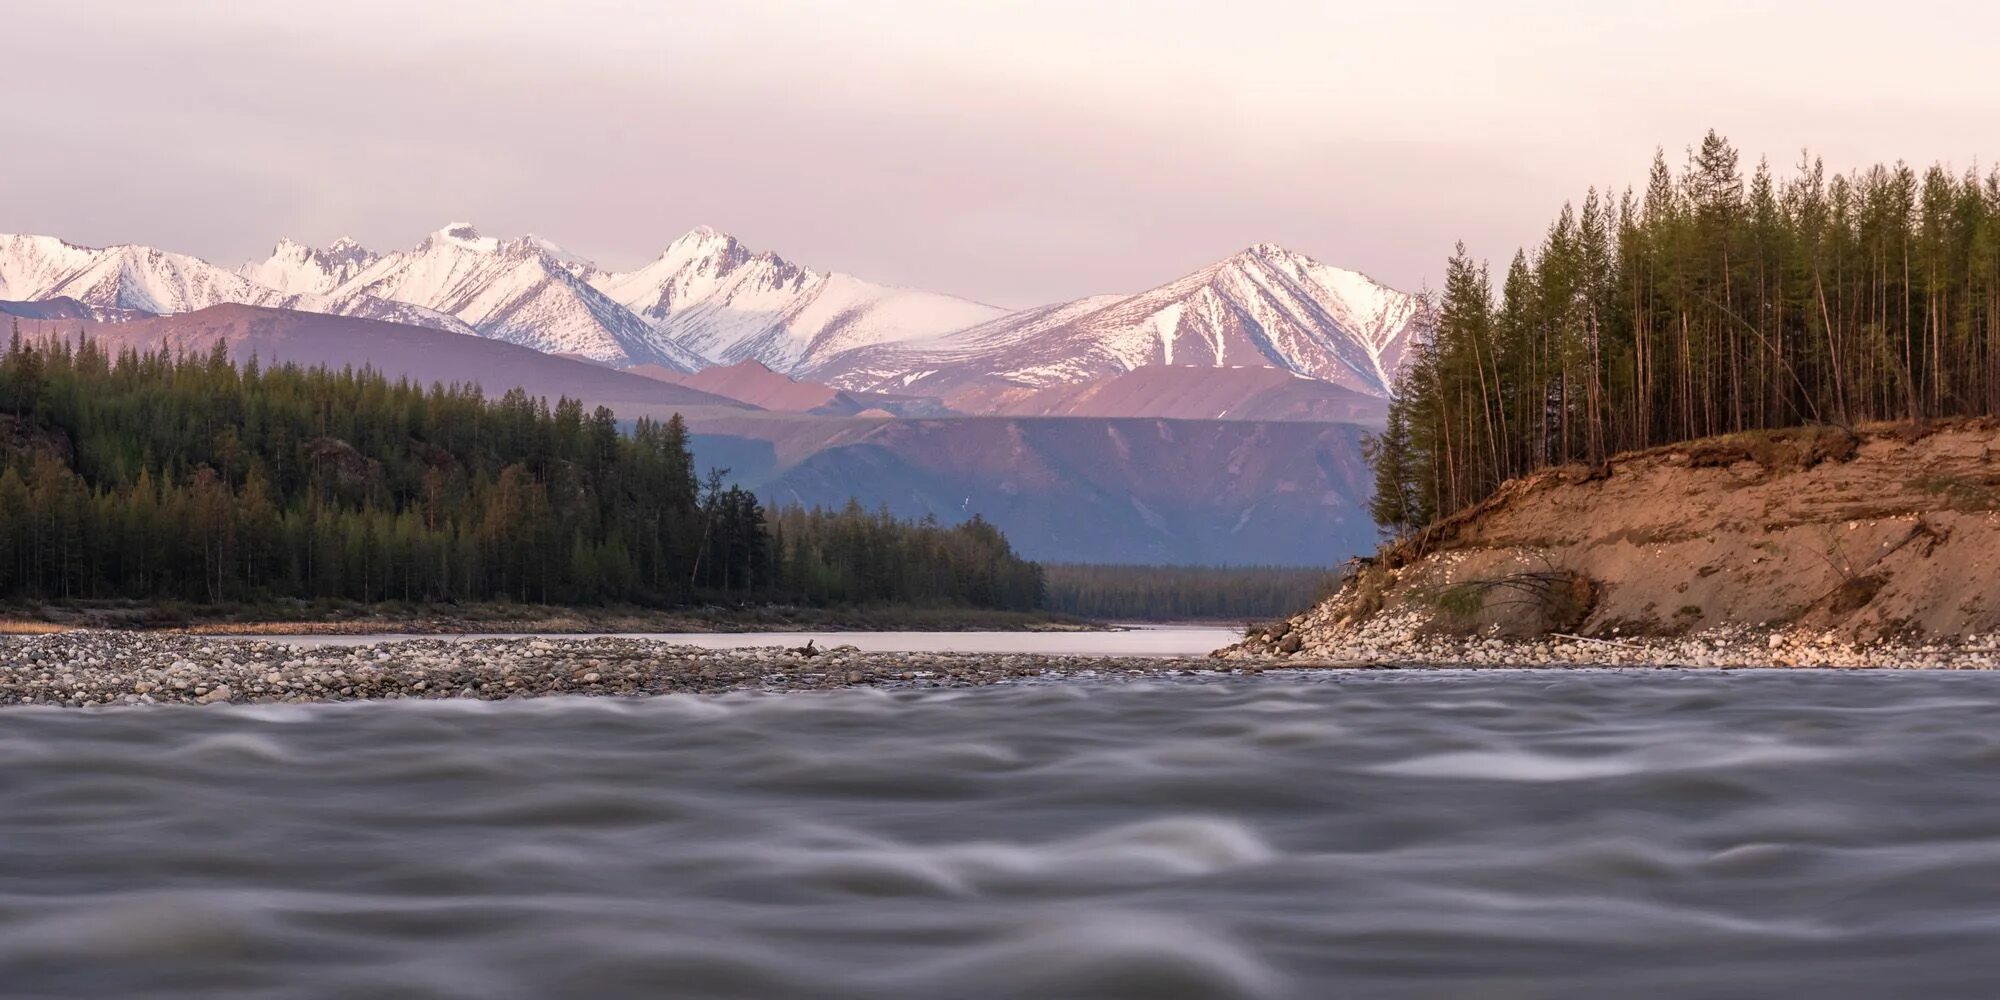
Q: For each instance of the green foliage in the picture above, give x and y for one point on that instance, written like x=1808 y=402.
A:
x=1462 y=601
x=158 y=477
x=1184 y=593
x=1704 y=305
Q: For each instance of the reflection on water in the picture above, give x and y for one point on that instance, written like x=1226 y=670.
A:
x=1150 y=640
x=1355 y=835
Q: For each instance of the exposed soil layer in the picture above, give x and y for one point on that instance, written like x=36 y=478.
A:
x=1813 y=536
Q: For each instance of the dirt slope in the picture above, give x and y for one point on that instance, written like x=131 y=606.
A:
x=1889 y=534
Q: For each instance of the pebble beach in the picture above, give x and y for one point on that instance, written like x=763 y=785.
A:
x=87 y=668
x=96 y=668
x=1393 y=641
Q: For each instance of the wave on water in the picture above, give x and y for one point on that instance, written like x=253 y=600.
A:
x=1662 y=835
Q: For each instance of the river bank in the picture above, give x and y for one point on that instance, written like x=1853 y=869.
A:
x=1407 y=641
x=85 y=668
x=93 y=668
x=1811 y=547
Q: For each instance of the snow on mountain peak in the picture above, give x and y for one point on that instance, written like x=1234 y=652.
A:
x=534 y=246
x=300 y=269
x=1265 y=306
x=149 y=280
x=713 y=295
x=708 y=299
x=705 y=243
x=463 y=234
x=525 y=291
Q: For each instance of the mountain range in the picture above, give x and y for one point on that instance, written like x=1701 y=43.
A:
x=708 y=300
x=1215 y=418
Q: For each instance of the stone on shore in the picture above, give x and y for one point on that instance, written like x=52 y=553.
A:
x=81 y=668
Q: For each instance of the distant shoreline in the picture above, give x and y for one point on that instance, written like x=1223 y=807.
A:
x=301 y=618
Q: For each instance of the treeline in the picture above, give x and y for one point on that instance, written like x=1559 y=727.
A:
x=1705 y=304
x=1184 y=593
x=151 y=476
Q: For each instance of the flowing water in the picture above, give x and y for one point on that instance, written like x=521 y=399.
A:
x=1512 y=835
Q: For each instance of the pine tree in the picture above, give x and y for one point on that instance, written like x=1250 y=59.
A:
x=1703 y=305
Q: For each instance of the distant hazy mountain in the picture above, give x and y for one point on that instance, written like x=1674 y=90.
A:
x=420 y=354
x=1184 y=392
x=63 y=308
x=1077 y=489
x=751 y=382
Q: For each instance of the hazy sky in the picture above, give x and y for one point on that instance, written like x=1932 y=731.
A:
x=1015 y=152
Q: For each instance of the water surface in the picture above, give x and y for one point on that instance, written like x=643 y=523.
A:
x=1577 y=834
x=1137 y=640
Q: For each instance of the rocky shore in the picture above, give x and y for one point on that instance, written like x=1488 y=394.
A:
x=1408 y=640
x=84 y=668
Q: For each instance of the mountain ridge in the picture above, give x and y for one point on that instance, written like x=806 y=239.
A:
x=729 y=303
x=1263 y=307
x=710 y=300
x=137 y=278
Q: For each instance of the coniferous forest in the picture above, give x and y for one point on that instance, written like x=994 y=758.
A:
x=1717 y=299
x=148 y=476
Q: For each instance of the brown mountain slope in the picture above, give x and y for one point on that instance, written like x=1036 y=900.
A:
x=29 y=316
x=420 y=354
x=1894 y=534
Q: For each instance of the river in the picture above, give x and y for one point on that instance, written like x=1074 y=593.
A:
x=1399 y=835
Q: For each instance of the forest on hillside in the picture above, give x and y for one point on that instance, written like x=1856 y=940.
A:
x=150 y=476
x=1184 y=593
x=1708 y=303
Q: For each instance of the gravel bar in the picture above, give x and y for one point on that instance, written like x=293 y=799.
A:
x=84 y=668
x=1397 y=641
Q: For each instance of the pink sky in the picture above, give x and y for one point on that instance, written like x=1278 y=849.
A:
x=1015 y=152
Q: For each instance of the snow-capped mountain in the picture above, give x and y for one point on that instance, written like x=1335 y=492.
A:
x=148 y=280
x=1264 y=307
x=295 y=267
x=526 y=291
x=708 y=300
x=120 y=277
x=716 y=297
